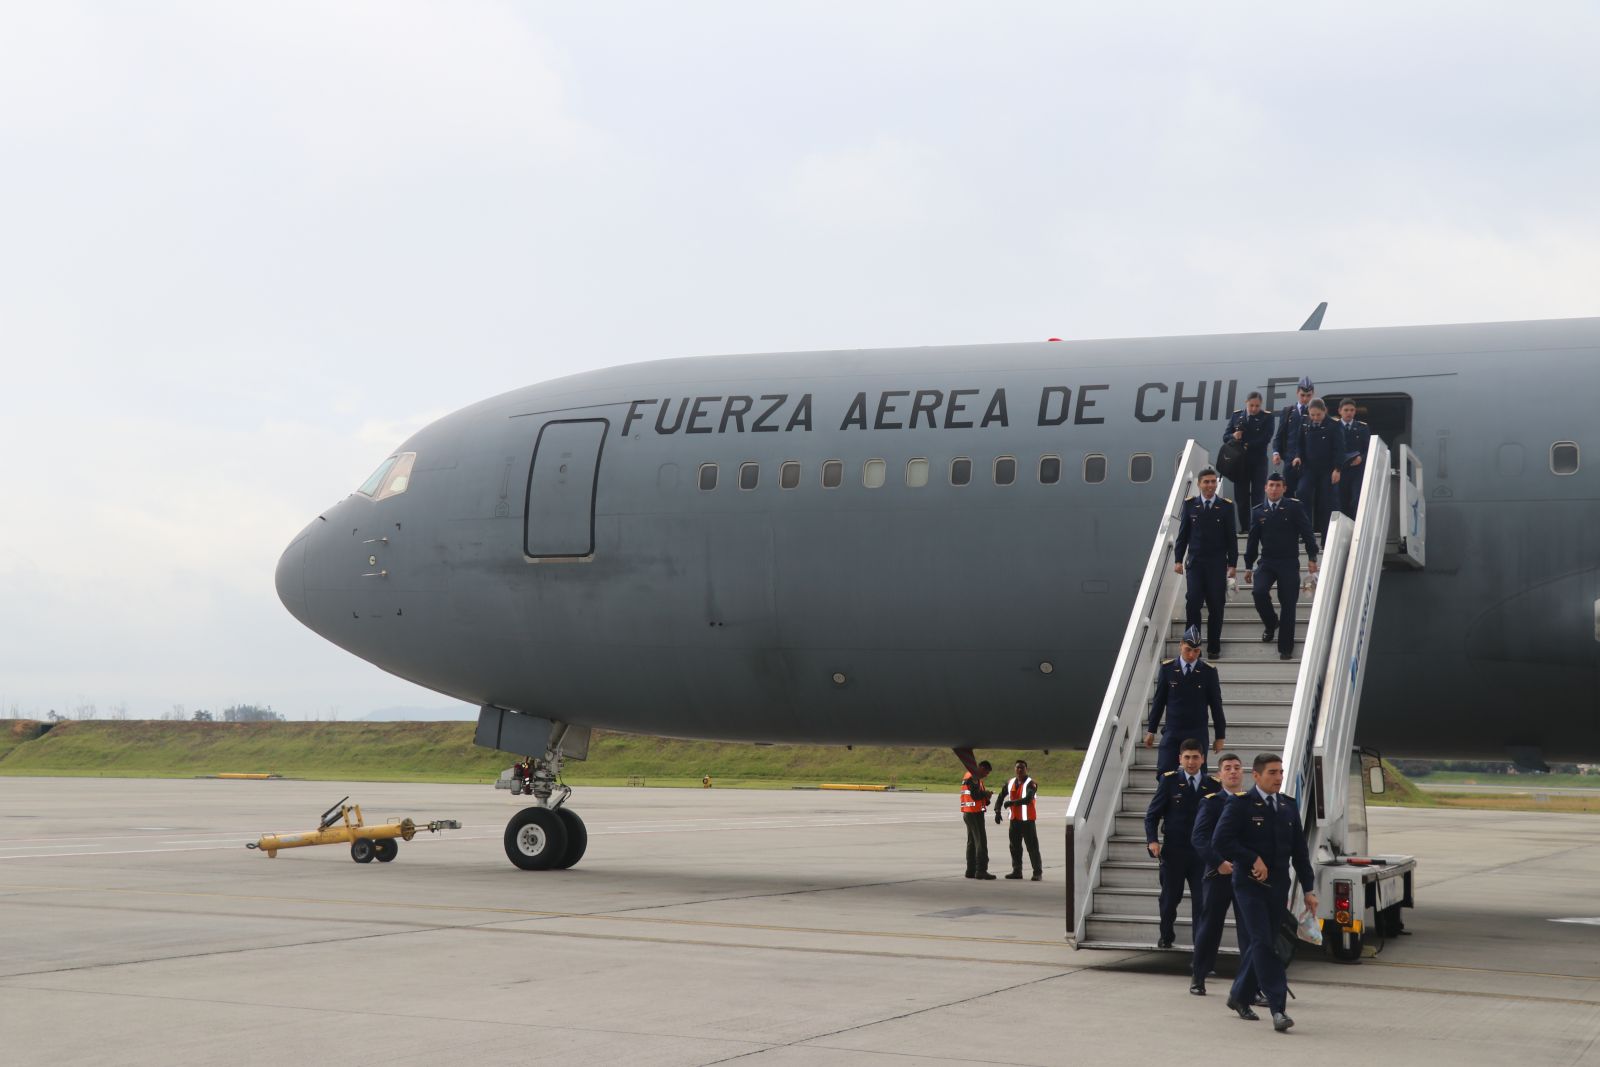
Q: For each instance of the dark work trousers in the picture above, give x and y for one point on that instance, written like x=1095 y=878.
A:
x=1025 y=832
x=1218 y=893
x=1291 y=478
x=1250 y=491
x=1320 y=497
x=1172 y=739
x=1286 y=573
x=1256 y=908
x=977 y=842
x=1350 y=489
x=1208 y=585
x=1180 y=868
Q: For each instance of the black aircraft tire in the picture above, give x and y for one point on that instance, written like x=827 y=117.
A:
x=361 y=850
x=386 y=850
x=536 y=839
x=577 y=838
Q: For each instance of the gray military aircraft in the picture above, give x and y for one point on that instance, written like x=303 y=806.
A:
x=939 y=546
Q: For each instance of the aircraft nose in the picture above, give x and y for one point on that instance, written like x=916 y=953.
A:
x=291 y=578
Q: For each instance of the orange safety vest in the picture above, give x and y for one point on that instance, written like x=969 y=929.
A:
x=970 y=804
x=1021 y=812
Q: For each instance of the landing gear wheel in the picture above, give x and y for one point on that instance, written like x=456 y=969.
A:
x=361 y=850
x=1343 y=945
x=536 y=839
x=386 y=850
x=577 y=838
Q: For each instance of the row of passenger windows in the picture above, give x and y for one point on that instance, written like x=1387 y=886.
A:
x=875 y=472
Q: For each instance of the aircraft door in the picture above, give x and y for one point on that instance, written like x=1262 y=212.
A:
x=1411 y=510
x=559 y=522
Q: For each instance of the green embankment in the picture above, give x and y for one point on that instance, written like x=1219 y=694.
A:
x=444 y=752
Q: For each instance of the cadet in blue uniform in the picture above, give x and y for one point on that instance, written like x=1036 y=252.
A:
x=1177 y=797
x=1217 y=885
x=1289 y=420
x=1357 y=435
x=1320 y=456
x=1252 y=428
x=1261 y=834
x=1207 y=552
x=1185 y=688
x=1276 y=530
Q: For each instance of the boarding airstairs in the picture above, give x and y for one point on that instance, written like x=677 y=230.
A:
x=1304 y=709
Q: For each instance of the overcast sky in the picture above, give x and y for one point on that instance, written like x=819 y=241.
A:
x=245 y=249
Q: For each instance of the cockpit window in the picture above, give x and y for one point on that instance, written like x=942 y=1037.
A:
x=392 y=477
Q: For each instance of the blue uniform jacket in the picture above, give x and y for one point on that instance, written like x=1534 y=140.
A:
x=1186 y=699
x=1258 y=434
x=1275 y=533
x=1249 y=829
x=1205 y=826
x=1208 y=535
x=1319 y=447
x=1174 y=805
x=1289 y=420
x=1356 y=438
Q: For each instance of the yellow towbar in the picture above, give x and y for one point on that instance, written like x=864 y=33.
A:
x=343 y=824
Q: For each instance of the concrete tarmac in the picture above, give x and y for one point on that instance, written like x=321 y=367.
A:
x=707 y=926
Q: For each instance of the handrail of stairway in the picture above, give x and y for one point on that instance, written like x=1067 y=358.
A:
x=1091 y=813
x=1348 y=568
x=1341 y=689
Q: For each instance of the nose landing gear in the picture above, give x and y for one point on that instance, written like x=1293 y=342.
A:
x=548 y=836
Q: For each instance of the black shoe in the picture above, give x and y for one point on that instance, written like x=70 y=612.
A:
x=1198 y=987
x=984 y=876
x=1013 y=874
x=1242 y=1010
x=1281 y=1022
x=1038 y=876
x=971 y=875
x=1286 y=655
x=1214 y=653
x=1165 y=942
x=1268 y=635
x=1261 y=1001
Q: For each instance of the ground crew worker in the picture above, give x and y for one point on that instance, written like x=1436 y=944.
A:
x=1274 y=530
x=1217 y=882
x=1018 y=800
x=974 y=802
x=1261 y=834
x=1209 y=537
x=1177 y=797
x=1252 y=428
x=1289 y=420
x=1357 y=435
x=1186 y=688
x=1320 y=456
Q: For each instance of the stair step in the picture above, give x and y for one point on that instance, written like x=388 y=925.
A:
x=1104 y=930
x=1123 y=874
x=1144 y=760
x=1139 y=903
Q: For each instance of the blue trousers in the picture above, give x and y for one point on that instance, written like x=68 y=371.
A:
x=1319 y=495
x=1208 y=585
x=1180 y=867
x=1286 y=574
x=1250 y=491
x=1350 y=489
x=1256 y=908
x=1218 y=893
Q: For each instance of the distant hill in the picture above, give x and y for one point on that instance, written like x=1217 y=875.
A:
x=450 y=713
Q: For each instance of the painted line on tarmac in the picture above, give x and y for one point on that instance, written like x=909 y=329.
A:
x=625 y=829
x=522 y=914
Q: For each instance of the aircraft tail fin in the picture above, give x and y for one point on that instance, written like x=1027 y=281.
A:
x=1315 y=321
